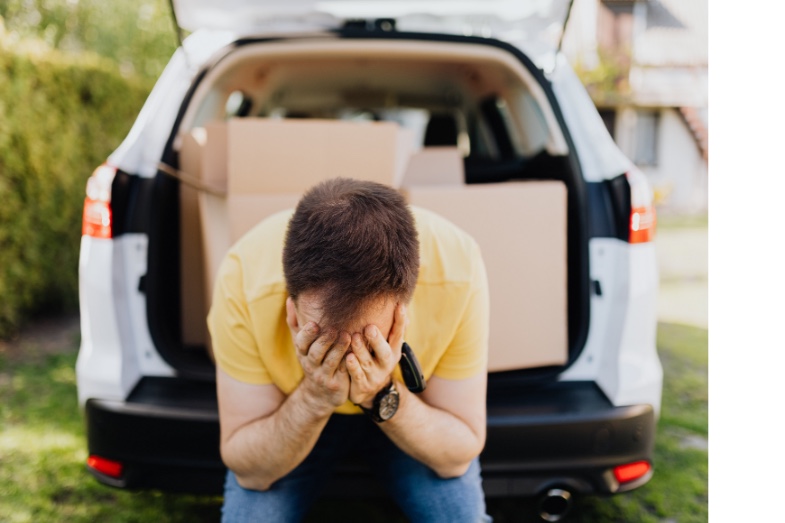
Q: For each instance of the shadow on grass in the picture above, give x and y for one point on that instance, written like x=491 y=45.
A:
x=43 y=451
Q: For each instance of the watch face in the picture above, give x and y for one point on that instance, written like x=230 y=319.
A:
x=388 y=405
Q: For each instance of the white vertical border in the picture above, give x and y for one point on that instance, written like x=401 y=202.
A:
x=746 y=255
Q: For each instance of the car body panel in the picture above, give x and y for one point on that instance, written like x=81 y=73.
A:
x=639 y=367
x=620 y=353
x=132 y=314
x=600 y=157
x=105 y=366
x=541 y=20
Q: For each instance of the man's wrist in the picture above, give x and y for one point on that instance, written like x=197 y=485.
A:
x=385 y=404
x=315 y=404
x=368 y=403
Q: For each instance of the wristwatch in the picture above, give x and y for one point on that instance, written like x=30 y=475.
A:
x=385 y=404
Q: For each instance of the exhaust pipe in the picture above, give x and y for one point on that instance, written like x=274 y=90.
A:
x=555 y=504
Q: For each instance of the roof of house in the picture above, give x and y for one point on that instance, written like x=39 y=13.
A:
x=676 y=34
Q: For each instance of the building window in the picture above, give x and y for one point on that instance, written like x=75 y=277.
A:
x=646 y=131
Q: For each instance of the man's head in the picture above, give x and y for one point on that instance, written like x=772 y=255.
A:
x=351 y=252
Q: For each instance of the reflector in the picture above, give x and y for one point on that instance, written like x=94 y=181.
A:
x=631 y=471
x=105 y=466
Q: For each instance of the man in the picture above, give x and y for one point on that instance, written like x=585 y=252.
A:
x=305 y=347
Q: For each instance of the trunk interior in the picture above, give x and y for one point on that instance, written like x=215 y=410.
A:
x=489 y=153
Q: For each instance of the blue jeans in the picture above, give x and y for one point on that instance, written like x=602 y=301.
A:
x=421 y=494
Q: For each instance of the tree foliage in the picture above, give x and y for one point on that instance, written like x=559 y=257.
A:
x=139 y=35
x=608 y=83
x=61 y=115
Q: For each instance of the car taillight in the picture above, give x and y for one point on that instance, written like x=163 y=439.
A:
x=97 y=215
x=105 y=466
x=631 y=471
x=643 y=218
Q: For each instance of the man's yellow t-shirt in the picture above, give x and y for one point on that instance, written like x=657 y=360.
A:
x=448 y=314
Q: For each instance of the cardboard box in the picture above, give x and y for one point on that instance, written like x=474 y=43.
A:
x=204 y=228
x=290 y=156
x=192 y=267
x=521 y=228
x=435 y=166
x=266 y=165
x=214 y=155
x=247 y=210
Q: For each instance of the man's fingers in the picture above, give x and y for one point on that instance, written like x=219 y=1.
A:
x=322 y=344
x=361 y=351
x=334 y=356
x=356 y=372
x=379 y=345
x=400 y=320
x=306 y=337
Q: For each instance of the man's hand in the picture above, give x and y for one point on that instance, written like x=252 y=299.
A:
x=321 y=355
x=371 y=365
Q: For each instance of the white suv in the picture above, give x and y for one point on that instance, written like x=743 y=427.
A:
x=574 y=377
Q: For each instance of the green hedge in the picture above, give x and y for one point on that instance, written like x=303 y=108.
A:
x=61 y=115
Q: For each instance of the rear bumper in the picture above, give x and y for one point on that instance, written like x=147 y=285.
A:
x=564 y=434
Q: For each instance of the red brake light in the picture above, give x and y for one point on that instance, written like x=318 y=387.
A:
x=631 y=471
x=97 y=219
x=643 y=222
x=643 y=218
x=105 y=466
x=97 y=215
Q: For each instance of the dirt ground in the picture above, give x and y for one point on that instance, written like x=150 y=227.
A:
x=42 y=336
x=683 y=260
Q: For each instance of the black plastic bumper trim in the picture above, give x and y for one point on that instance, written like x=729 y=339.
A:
x=167 y=437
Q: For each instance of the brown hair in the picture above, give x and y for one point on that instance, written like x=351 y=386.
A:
x=352 y=242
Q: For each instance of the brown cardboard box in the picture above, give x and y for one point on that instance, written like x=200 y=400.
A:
x=213 y=209
x=434 y=166
x=192 y=281
x=213 y=138
x=204 y=226
x=290 y=156
x=247 y=210
x=521 y=228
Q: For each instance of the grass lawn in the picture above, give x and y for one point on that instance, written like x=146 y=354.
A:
x=43 y=451
x=667 y=221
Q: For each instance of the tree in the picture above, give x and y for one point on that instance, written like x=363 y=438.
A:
x=139 y=35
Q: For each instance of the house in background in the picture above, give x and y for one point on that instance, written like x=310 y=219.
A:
x=645 y=64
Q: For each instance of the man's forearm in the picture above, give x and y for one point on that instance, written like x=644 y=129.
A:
x=435 y=437
x=267 y=449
